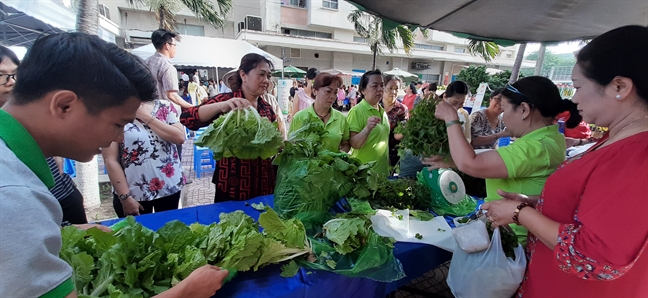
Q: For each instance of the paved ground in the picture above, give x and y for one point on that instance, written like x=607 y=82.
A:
x=201 y=192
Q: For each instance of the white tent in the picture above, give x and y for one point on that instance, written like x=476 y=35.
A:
x=200 y=51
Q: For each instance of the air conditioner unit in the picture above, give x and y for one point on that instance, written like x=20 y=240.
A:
x=295 y=53
x=241 y=26
x=104 y=11
x=254 y=23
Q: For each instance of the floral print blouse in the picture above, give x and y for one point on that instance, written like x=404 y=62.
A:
x=152 y=165
x=481 y=127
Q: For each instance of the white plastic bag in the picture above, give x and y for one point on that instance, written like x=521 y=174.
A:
x=486 y=273
x=472 y=237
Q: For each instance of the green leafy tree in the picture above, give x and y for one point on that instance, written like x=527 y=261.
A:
x=212 y=12
x=378 y=32
x=487 y=50
x=473 y=76
x=550 y=60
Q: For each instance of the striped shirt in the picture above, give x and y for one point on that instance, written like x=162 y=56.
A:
x=63 y=184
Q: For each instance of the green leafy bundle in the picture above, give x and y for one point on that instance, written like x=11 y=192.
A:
x=313 y=179
x=509 y=239
x=347 y=234
x=401 y=194
x=243 y=134
x=424 y=134
x=136 y=261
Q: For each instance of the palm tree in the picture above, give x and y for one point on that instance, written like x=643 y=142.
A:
x=488 y=50
x=204 y=10
x=87 y=17
x=376 y=34
x=518 y=63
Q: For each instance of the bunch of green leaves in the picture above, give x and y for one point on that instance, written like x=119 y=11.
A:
x=401 y=194
x=136 y=261
x=347 y=234
x=509 y=239
x=424 y=134
x=243 y=134
x=312 y=179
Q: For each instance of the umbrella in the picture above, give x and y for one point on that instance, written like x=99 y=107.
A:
x=520 y=21
x=403 y=74
x=20 y=29
x=290 y=71
x=345 y=73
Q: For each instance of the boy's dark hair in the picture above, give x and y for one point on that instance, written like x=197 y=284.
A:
x=6 y=53
x=100 y=73
x=161 y=36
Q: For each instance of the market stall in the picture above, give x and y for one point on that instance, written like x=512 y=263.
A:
x=416 y=259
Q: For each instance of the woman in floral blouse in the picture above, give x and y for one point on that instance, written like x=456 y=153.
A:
x=145 y=169
x=396 y=112
x=486 y=124
x=239 y=179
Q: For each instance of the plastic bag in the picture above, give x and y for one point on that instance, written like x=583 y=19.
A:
x=472 y=237
x=441 y=206
x=375 y=260
x=487 y=273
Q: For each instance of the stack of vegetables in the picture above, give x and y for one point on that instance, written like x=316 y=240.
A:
x=424 y=134
x=138 y=262
x=243 y=134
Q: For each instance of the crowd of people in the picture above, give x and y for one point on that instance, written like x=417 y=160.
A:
x=577 y=218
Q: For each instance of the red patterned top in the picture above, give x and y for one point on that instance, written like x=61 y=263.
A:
x=237 y=179
x=600 y=200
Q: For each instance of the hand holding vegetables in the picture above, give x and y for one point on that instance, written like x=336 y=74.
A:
x=446 y=112
x=202 y=282
x=234 y=103
x=501 y=212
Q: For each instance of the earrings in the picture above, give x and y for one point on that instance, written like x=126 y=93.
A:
x=618 y=96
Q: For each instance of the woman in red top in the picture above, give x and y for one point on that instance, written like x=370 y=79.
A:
x=238 y=179
x=588 y=231
x=410 y=97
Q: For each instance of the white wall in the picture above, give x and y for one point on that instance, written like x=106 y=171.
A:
x=320 y=16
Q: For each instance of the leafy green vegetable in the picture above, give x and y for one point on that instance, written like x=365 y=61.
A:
x=401 y=194
x=138 y=262
x=243 y=134
x=418 y=236
x=509 y=239
x=463 y=220
x=441 y=230
x=421 y=215
x=261 y=206
x=289 y=270
x=347 y=234
x=331 y=263
x=424 y=134
x=311 y=179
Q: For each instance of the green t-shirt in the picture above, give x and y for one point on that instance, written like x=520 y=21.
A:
x=376 y=148
x=529 y=161
x=337 y=128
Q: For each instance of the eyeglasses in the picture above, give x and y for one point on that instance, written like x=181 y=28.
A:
x=173 y=44
x=9 y=76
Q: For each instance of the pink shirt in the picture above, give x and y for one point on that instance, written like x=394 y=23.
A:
x=305 y=101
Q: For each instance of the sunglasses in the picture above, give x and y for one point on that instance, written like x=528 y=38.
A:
x=516 y=91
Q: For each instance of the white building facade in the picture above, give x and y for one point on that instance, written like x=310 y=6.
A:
x=309 y=33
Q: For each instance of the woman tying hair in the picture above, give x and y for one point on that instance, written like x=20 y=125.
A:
x=337 y=129
x=238 y=179
x=530 y=106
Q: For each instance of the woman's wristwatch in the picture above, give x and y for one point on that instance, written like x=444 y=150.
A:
x=124 y=196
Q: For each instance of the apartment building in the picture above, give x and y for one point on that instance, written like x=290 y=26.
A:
x=308 y=33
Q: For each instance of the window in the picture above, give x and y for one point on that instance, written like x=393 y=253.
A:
x=359 y=39
x=428 y=47
x=460 y=50
x=191 y=30
x=307 y=33
x=332 y=4
x=430 y=78
x=295 y=53
x=296 y=3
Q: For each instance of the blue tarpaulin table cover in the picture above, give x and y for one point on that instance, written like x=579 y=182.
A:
x=417 y=259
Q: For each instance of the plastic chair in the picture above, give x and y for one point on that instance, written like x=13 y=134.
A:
x=203 y=157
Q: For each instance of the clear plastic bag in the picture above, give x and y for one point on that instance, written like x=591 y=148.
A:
x=472 y=237
x=486 y=273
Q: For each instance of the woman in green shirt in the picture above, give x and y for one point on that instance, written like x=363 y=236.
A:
x=369 y=125
x=530 y=106
x=325 y=93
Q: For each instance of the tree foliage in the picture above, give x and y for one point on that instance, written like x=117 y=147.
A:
x=550 y=60
x=211 y=12
x=378 y=33
x=488 y=50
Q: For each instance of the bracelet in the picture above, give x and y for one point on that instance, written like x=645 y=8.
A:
x=517 y=212
x=453 y=122
x=152 y=118
x=124 y=196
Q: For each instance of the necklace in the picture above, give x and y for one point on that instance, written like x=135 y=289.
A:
x=321 y=117
x=633 y=122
